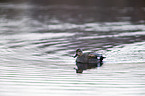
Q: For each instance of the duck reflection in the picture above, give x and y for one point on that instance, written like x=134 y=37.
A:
x=87 y=60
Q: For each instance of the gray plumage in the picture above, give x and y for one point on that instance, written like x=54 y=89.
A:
x=87 y=60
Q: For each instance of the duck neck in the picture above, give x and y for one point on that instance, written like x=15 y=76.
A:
x=80 y=54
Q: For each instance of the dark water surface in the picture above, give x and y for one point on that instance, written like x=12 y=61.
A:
x=37 y=42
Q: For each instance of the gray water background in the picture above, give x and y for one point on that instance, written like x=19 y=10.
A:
x=37 y=40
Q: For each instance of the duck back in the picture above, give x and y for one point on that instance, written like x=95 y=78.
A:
x=85 y=58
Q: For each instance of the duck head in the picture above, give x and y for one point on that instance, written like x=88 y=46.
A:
x=79 y=52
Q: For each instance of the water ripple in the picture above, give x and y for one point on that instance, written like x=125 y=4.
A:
x=36 y=55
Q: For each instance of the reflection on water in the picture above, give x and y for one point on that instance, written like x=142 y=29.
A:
x=36 y=45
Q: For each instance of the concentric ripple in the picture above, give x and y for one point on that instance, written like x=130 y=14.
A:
x=36 y=53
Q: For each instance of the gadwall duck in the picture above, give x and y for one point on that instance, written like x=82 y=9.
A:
x=87 y=60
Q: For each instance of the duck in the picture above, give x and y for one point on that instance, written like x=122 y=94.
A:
x=87 y=60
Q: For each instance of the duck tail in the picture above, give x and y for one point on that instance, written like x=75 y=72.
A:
x=101 y=58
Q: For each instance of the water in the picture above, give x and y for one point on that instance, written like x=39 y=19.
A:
x=36 y=45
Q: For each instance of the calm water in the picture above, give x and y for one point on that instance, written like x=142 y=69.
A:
x=37 y=42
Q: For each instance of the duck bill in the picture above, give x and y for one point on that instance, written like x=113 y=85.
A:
x=75 y=55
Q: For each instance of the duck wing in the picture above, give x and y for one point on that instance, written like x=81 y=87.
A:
x=97 y=56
